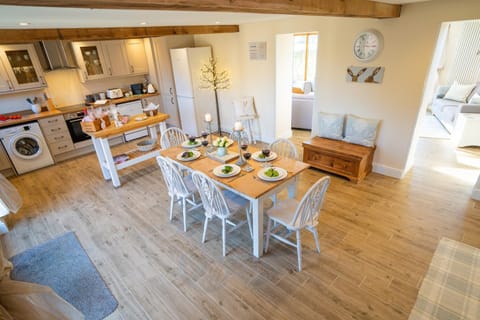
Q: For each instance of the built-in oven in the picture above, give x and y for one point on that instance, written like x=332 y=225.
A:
x=80 y=139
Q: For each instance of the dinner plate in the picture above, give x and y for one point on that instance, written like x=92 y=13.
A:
x=196 y=155
x=282 y=173
x=229 y=142
x=186 y=144
x=256 y=156
x=218 y=171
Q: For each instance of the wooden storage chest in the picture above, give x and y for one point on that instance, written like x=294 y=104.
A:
x=346 y=159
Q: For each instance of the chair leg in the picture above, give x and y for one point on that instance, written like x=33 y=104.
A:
x=172 y=201
x=223 y=236
x=315 y=235
x=299 y=251
x=184 y=209
x=267 y=236
x=205 y=224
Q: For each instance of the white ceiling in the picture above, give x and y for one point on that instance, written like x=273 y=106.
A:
x=42 y=17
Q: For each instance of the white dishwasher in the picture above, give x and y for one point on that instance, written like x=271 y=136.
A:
x=132 y=108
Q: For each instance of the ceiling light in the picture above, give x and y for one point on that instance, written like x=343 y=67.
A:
x=143 y=23
x=23 y=24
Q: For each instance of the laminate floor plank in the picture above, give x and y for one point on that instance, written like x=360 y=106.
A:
x=377 y=239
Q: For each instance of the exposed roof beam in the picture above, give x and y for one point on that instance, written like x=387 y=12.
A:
x=29 y=35
x=350 y=8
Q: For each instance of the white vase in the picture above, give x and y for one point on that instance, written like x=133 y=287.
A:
x=221 y=151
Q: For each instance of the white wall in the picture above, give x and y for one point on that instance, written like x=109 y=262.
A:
x=408 y=50
x=283 y=84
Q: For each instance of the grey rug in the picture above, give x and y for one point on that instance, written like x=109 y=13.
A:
x=63 y=265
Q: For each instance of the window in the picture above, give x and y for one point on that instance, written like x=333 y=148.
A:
x=304 y=57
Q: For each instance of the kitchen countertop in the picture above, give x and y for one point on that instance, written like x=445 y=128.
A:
x=82 y=106
x=28 y=116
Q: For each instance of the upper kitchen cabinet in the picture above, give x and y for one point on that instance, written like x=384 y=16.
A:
x=113 y=58
x=91 y=60
x=137 y=58
x=21 y=68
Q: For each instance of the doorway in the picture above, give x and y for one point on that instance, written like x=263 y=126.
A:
x=451 y=88
x=296 y=57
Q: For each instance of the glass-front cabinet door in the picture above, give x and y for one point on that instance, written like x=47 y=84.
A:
x=22 y=66
x=5 y=83
x=91 y=59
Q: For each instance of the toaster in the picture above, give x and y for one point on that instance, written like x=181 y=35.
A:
x=114 y=93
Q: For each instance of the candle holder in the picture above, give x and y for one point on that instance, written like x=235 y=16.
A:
x=238 y=134
x=209 y=128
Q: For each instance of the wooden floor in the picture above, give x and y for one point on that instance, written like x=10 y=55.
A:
x=377 y=240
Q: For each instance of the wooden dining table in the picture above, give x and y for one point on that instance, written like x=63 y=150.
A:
x=246 y=184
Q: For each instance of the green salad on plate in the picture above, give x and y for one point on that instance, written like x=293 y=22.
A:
x=272 y=173
x=227 y=169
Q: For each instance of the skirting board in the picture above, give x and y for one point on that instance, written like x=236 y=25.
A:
x=388 y=171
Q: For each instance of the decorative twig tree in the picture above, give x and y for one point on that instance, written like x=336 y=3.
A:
x=212 y=79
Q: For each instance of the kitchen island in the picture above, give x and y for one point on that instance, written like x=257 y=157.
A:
x=109 y=164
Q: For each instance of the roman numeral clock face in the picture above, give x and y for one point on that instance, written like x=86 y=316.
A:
x=367 y=45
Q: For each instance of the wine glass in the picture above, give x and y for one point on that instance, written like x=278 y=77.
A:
x=247 y=155
x=205 y=144
x=204 y=134
x=266 y=154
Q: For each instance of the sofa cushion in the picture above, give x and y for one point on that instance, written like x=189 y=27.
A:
x=331 y=125
x=361 y=130
x=459 y=92
x=475 y=99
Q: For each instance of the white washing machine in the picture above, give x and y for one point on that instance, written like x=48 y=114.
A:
x=26 y=147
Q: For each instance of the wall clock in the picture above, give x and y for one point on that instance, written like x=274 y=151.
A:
x=367 y=45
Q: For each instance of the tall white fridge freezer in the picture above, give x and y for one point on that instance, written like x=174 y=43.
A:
x=193 y=101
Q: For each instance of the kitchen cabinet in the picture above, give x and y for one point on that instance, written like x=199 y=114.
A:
x=113 y=58
x=56 y=134
x=137 y=59
x=91 y=60
x=161 y=48
x=21 y=68
x=5 y=165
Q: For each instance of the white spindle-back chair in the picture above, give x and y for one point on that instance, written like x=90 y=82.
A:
x=180 y=188
x=172 y=137
x=284 y=148
x=221 y=204
x=297 y=215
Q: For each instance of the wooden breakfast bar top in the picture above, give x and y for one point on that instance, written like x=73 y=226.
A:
x=132 y=124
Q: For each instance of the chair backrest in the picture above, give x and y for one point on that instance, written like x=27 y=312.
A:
x=284 y=148
x=212 y=198
x=173 y=178
x=309 y=207
x=172 y=137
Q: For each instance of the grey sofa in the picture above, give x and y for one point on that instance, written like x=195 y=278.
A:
x=447 y=110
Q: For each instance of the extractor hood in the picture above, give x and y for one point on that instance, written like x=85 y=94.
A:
x=56 y=54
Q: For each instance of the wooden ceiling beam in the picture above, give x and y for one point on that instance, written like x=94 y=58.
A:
x=84 y=34
x=350 y=8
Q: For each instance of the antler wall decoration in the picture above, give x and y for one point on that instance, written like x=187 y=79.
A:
x=365 y=74
x=211 y=78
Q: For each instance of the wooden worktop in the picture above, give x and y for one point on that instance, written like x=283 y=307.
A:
x=30 y=117
x=132 y=124
x=27 y=116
